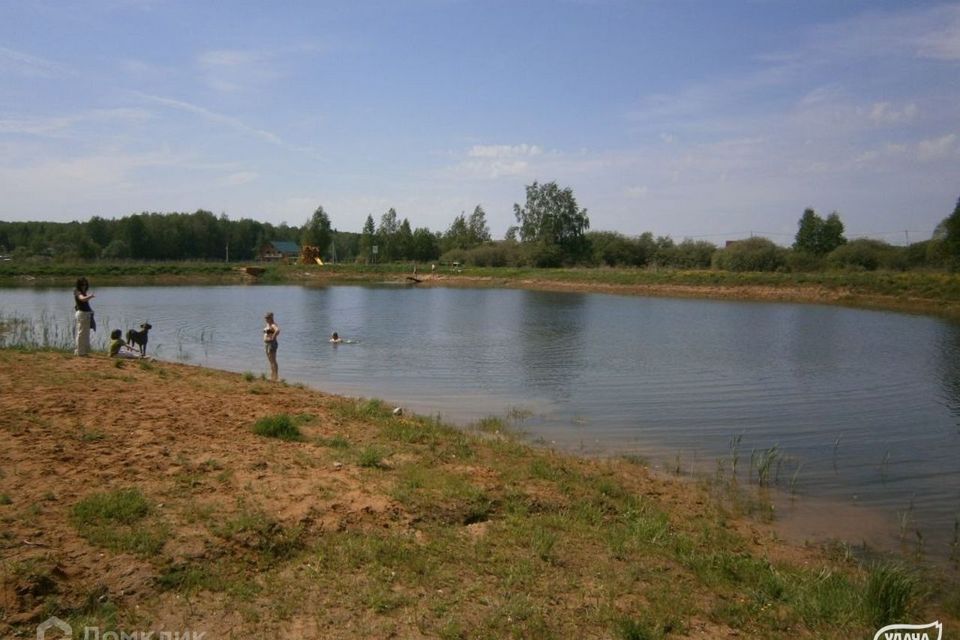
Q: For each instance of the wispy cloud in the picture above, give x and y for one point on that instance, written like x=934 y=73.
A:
x=59 y=126
x=227 y=121
x=239 y=178
x=931 y=32
x=234 y=70
x=20 y=63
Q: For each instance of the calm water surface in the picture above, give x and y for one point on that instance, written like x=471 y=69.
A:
x=864 y=405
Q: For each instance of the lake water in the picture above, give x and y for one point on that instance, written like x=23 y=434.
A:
x=863 y=406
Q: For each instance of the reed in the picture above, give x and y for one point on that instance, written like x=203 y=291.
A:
x=46 y=333
x=765 y=463
x=735 y=453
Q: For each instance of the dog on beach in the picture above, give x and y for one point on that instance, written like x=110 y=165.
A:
x=139 y=338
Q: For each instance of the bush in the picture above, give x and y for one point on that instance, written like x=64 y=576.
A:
x=454 y=255
x=803 y=262
x=928 y=254
x=489 y=255
x=753 y=254
x=279 y=426
x=546 y=256
x=866 y=255
x=689 y=254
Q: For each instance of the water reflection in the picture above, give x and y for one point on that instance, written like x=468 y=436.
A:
x=949 y=366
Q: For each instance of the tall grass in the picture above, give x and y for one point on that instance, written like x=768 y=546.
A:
x=47 y=332
x=889 y=593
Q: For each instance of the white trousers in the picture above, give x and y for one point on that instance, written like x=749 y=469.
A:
x=83 y=333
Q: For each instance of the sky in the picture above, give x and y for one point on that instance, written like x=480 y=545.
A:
x=703 y=119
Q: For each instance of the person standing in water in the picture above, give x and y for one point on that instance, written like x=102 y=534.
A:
x=84 y=316
x=270 y=334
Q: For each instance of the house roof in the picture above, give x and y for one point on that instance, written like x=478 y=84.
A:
x=285 y=247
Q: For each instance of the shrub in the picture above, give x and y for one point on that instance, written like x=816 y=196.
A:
x=753 y=254
x=689 y=254
x=803 y=262
x=546 y=256
x=279 y=426
x=865 y=255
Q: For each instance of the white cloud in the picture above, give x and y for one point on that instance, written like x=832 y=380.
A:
x=501 y=151
x=239 y=178
x=883 y=113
x=942 y=44
x=937 y=148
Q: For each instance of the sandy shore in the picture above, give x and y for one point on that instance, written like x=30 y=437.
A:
x=369 y=525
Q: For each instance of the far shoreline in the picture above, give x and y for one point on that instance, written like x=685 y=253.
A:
x=926 y=293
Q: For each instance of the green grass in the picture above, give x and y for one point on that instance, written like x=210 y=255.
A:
x=371 y=457
x=890 y=594
x=118 y=520
x=280 y=426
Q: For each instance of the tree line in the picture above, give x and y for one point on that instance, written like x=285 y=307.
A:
x=552 y=230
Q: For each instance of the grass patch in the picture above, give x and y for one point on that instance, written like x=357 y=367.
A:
x=889 y=595
x=336 y=442
x=5 y=499
x=117 y=520
x=279 y=426
x=92 y=436
x=371 y=457
x=258 y=532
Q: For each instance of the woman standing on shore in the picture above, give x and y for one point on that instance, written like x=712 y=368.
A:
x=270 y=334
x=84 y=316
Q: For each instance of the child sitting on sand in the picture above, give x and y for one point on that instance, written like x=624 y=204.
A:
x=118 y=349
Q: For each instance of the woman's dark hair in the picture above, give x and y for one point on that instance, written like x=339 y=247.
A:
x=116 y=334
x=82 y=284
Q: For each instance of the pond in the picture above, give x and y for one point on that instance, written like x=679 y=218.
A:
x=862 y=406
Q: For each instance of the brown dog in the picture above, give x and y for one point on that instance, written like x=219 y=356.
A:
x=139 y=338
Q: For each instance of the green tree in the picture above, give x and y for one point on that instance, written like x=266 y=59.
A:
x=316 y=232
x=426 y=245
x=367 y=239
x=457 y=235
x=387 y=235
x=479 y=232
x=552 y=220
x=403 y=245
x=817 y=236
x=951 y=240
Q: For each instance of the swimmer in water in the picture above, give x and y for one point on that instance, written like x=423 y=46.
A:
x=335 y=338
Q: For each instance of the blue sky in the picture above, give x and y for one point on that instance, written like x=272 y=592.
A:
x=708 y=119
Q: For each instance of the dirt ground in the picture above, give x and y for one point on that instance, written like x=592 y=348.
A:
x=228 y=502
